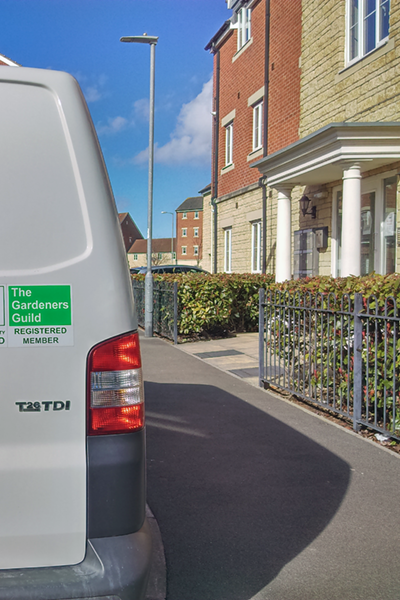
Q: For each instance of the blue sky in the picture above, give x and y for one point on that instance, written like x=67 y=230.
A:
x=82 y=38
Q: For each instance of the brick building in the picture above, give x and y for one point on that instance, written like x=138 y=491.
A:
x=130 y=231
x=256 y=111
x=345 y=165
x=327 y=199
x=189 y=231
x=161 y=252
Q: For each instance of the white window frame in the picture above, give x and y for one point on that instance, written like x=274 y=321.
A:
x=229 y=144
x=196 y=214
x=256 y=247
x=195 y=232
x=195 y=250
x=184 y=231
x=243 y=27
x=356 y=28
x=184 y=250
x=228 y=250
x=184 y=215
x=257 y=126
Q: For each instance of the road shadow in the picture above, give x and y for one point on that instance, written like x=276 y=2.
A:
x=237 y=493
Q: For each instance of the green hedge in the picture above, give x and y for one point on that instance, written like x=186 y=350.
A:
x=222 y=303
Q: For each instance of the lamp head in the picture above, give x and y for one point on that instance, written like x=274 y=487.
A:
x=140 y=39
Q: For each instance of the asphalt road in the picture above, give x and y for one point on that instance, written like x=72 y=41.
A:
x=256 y=498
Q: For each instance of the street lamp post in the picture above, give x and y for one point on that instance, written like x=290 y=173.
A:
x=148 y=284
x=167 y=212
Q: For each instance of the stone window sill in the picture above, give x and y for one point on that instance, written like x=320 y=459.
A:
x=227 y=169
x=255 y=154
x=242 y=49
x=365 y=60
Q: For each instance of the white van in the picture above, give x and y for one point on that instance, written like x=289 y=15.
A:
x=72 y=448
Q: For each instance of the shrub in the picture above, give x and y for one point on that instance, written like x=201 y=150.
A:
x=222 y=303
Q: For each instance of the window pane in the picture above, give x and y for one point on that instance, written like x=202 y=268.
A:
x=353 y=13
x=229 y=140
x=247 y=25
x=244 y=27
x=369 y=26
x=256 y=248
x=389 y=225
x=384 y=19
x=228 y=248
x=367 y=233
x=257 y=126
x=240 y=28
x=354 y=26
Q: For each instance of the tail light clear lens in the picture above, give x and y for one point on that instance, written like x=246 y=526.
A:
x=115 y=386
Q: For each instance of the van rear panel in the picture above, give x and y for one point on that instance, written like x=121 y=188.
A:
x=64 y=287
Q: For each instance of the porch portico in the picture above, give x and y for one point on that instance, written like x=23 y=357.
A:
x=340 y=151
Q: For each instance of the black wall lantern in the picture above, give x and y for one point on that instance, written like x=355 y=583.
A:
x=304 y=204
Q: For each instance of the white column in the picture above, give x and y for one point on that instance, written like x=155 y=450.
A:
x=283 y=236
x=351 y=222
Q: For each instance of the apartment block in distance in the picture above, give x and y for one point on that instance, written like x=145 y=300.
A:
x=189 y=231
x=163 y=252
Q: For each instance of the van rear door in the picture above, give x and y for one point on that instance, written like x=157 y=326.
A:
x=63 y=288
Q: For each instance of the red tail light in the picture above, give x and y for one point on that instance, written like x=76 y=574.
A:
x=115 y=386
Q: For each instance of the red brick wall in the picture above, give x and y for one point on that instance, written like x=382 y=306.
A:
x=190 y=223
x=238 y=81
x=241 y=78
x=284 y=73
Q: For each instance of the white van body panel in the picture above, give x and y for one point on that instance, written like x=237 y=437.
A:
x=56 y=206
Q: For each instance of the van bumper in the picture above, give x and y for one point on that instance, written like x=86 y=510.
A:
x=115 y=568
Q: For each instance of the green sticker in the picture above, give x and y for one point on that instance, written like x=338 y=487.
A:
x=39 y=305
x=2 y=307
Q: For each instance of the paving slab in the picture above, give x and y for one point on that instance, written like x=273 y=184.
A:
x=236 y=355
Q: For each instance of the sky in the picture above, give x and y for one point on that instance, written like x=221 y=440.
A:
x=82 y=38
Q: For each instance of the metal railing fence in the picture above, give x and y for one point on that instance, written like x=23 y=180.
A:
x=165 y=307
x=342 y=354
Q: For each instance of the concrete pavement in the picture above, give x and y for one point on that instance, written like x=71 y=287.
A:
x=256 y=498
x=236 y=355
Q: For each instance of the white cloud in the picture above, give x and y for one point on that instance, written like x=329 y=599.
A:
x=92 y=94
x=141 y=109
x=114 y=125
x=191 y=140
x=92 y=87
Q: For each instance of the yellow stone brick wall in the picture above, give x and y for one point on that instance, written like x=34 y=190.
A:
x=321 y=197
x=206 y=258
x=235 y=210
x=367 y=91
